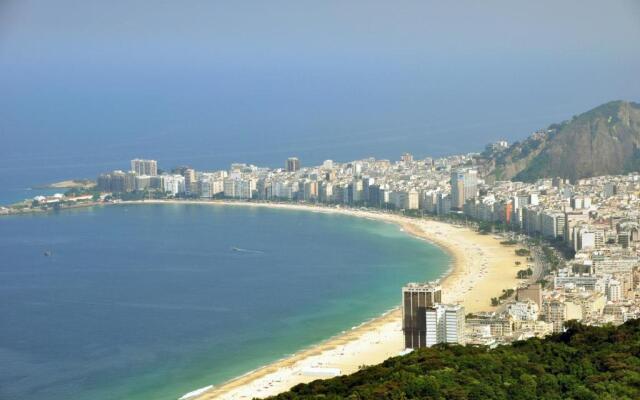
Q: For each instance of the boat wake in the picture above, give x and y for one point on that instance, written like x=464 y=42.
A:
x=246 y=251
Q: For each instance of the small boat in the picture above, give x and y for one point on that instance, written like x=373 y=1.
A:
x=47 y=253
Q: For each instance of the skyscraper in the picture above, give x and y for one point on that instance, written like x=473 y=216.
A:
x=453 y=320
x=144 y=167
x=432 y=324
x=293 y=164
x=444 y=323
x=416 y=299
x=464 y=186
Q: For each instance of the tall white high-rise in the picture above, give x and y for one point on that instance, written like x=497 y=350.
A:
x=444 y=324
x=433 y=322
x=144 y=167
x=453 y=323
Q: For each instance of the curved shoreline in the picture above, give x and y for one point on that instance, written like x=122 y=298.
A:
x=477 y=272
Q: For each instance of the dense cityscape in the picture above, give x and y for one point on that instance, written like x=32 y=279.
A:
x=580 y=238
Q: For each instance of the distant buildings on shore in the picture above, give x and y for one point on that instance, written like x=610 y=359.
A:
x=594 y=222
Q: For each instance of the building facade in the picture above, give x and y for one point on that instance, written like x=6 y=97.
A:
x=416 y=299
x=144 y=167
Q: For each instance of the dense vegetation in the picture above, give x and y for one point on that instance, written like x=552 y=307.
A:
x=582 y=363
x=551 y=258
x=506 y=293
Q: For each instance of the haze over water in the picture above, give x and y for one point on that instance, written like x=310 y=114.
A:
x=154 y=301
x=88 y=85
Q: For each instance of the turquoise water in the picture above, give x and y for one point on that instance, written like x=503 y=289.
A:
x=153 y=301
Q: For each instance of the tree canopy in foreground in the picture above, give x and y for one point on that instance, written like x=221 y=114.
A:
x=585 y=362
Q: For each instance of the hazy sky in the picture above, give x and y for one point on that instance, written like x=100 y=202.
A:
x=88 y=84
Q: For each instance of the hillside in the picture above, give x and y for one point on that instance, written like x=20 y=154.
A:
x=603 y=141
x=583 y=363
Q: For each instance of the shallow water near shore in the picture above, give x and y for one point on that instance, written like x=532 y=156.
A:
x=153 y=301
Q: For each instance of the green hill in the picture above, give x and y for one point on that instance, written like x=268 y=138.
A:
x=583 y=363
x=603 y=141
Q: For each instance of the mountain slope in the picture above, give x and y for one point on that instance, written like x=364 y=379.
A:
x=603 y=141
x=582 y=363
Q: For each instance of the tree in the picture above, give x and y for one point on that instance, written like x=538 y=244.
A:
x=484 y=228
x=524 y=273
x=585 y=362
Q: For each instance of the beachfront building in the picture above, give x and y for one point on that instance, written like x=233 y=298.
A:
x=432 y=326
x=190 y=181
x=454 y=324
x=211 y=184
x=142 y=182
x=416 y=299
x=239 y=188
x=117 y=181
x=444 y=323
x=144 y=167
x=173 y=184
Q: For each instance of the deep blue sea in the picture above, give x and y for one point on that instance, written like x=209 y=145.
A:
x=153 y=301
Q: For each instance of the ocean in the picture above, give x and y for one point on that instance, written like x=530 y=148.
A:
x=154 y=301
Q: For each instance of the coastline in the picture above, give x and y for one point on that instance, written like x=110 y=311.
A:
x=480 y=269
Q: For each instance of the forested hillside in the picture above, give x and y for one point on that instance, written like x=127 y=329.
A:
x=583 y=363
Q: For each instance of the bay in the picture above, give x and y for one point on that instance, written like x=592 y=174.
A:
x=153 y=301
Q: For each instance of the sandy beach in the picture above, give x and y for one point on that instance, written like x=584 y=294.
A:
x=481 y=268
